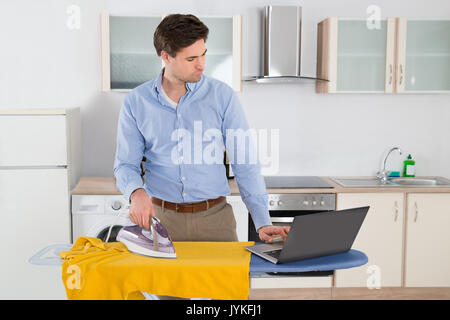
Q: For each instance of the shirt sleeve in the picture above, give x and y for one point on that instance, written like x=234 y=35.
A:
x=129 y=152
x=242 y=155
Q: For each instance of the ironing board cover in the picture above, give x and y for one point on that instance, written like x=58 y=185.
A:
x=353 y=258
x=93 y=269
x=349 y=259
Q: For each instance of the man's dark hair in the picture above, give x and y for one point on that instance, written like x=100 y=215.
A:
x=178 y=31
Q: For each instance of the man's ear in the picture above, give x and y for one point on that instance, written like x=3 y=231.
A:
x=164 y=56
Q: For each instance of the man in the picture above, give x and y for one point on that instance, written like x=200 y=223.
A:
x=160 y=120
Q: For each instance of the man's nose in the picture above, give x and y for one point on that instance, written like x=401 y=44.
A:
x=201 y=64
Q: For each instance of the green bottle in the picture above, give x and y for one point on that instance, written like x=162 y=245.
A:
x=409 y=167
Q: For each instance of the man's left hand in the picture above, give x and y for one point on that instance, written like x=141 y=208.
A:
x=268 y=233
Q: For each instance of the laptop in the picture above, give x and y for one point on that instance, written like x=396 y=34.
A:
x=315 y=235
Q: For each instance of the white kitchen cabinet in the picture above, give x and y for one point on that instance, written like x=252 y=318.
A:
x=128 y=55
x=241 y=215
x=423 y=55
x=398 y=56
x=39 y=164
x=428 y=240
x=30 y=140
x=380 y=238
x=354 y=57
x=35 y=214
x=130 y=59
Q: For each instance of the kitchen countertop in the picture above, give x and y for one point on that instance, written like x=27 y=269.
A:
x=37 y=111
x=107 y=186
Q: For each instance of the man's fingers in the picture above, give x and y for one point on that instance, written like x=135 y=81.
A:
x=143 y=220
x=152 y=211
x=270 y=234
x=133 y=218
x=273 y=233
x=146 y=221
x=136 y=218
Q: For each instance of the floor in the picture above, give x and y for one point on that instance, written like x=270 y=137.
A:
x=436 y=293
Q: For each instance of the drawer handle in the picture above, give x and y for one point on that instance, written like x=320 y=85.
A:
x=396 y=211
x=416 y=211
x=88 y=207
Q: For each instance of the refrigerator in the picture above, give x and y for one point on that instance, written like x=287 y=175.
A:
x=39 y=166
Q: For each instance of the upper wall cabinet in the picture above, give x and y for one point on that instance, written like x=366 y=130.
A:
x=398 y=56
x=424 y=51
x=129 y=58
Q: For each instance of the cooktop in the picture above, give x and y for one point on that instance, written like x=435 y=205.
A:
x=295 y=182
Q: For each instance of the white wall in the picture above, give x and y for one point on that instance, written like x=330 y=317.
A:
x=45 y=64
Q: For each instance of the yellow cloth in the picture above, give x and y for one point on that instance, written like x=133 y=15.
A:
x=93 y=269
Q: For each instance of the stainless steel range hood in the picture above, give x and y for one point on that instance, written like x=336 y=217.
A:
x=282 y=46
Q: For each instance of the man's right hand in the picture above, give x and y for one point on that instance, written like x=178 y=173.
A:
x=141 y=208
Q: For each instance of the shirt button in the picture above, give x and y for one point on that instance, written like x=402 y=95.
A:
x=179 y=115
x=183 y=178
x=184 y=193
x=181 y=158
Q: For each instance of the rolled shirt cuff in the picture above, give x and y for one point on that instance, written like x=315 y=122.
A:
x=130 y=189
x=260 y=218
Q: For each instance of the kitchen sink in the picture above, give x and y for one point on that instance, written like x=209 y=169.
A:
x=414 y=181
x=392 y=182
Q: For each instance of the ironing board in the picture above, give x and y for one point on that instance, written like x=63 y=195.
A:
x=50 y=256
x=258 y=268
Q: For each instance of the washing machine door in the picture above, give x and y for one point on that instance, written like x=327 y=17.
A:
x=98 y=227
x=103 y=234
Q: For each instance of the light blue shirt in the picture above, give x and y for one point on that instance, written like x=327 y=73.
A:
x=184 y=146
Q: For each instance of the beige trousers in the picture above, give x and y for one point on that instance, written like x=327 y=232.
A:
x=215 y=224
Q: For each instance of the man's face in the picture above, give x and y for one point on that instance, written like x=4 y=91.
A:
x=189 y=62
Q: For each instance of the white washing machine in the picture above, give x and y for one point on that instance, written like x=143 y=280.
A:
x=92 y=215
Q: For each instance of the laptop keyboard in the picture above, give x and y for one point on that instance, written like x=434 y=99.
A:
x=273 y=253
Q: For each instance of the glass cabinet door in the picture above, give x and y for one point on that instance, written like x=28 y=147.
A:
x=219 y=57
x=427 y=65
x=361 y=56
x=133 y=59
x=128 y=57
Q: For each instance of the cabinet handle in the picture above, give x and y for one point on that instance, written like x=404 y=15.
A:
x=390 y=73
x=396 y=211
x=416 y=210
x=401 y=74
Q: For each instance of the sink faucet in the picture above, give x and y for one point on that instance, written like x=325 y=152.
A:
x=383 y=175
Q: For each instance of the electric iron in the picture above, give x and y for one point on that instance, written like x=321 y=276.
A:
x=154 y=243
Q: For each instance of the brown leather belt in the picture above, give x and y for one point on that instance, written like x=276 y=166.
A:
x=188 y=207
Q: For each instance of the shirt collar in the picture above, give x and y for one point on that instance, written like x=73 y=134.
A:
x=157 y=86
